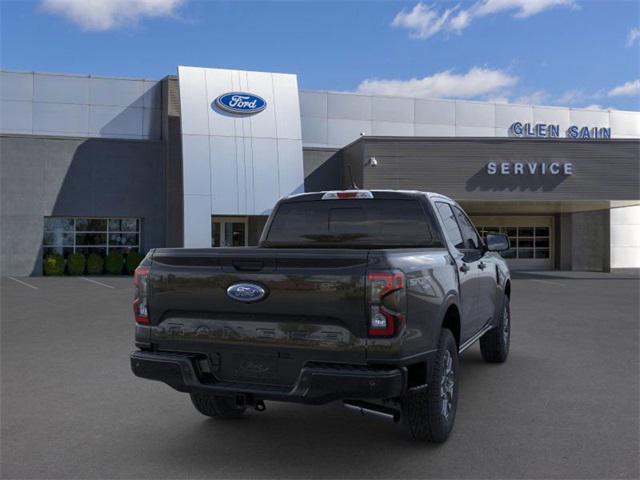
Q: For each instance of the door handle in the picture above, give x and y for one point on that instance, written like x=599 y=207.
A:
x=482 y=265
x=464 y=268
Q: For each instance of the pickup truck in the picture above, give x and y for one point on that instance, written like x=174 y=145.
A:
x=364 y=297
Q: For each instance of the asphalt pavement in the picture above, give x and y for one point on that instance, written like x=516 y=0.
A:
x=565 y=405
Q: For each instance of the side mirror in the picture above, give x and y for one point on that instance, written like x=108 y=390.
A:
x=497 y=242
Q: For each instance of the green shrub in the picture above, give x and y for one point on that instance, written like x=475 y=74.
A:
x=113 y=263
x=132 y=261
x=95 y=264
x=76 y=263
x=54 y=264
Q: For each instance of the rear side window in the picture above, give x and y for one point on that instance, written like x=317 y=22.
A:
x=370 y=223
x=450 y=224
x=471 y=238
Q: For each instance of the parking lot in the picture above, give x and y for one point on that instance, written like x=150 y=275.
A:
x=565 y=405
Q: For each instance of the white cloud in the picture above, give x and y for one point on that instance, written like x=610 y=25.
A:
x=524 y=8
x=571 y=97
x=633 y=36
x=538 y=97
x=475 y=83
x=423 y=21
x=100 y=15
x=595 y=106
x=629 y=88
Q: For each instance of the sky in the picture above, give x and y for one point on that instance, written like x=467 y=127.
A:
x=547 y=52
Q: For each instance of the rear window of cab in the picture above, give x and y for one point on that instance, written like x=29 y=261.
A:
x=356 y=223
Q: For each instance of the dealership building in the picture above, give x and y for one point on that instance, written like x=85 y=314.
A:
x=200 y=158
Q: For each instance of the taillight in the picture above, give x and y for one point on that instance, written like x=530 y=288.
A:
x=386 y=291
x=140 y=299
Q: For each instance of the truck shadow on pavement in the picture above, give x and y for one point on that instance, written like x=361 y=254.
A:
x=302 y=441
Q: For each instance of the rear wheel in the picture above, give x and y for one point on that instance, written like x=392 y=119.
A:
x=215 y=406
x=430 y=411
x=494 y=345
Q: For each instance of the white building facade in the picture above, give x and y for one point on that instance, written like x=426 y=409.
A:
x=218 y=170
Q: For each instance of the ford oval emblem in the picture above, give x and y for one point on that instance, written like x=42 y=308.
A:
x=246 y=292
x=240 y=103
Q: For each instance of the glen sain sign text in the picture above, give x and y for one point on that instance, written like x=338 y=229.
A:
x=546 y=130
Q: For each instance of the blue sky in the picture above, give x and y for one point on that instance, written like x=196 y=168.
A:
x=558 y=52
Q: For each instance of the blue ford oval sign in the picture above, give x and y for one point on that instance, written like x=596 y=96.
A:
x=241 y=103
x=246 y=292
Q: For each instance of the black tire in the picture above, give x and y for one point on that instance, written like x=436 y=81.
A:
x=424 y=409
x=494 y=345
x=216 y=407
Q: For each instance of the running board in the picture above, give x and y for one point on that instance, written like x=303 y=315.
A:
x=470 y=342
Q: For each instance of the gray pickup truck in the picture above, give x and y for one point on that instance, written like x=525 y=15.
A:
x=364 y=297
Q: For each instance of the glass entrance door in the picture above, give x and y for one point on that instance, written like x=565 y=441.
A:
x=229 y=231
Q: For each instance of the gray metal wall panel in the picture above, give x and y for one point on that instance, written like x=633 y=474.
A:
x=590 y=241
x=79 y=106
x=16 y=86
x=252 y=160
x=43 y=176
x=321 y=169
x=603 y=170
x=348 y=114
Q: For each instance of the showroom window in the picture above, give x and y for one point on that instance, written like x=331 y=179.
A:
x=66 y=235
x=526 y=242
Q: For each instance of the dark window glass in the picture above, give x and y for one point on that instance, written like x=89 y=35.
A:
x=119 y=239
x=234 y=234
x=525 y=232
x=542 y=253
x=542 y=242
x=89 y=235
x=123 y=225
x=91 y=239
x=542 y=231
x=509 y=253
x=525 y=243
x=358 y=223
x=469 y=235
x=58 y=237
x=525 y=253
x=510 y=231
x=450 y=224
x=58 y=224
x=215 y=234
x=91 y=225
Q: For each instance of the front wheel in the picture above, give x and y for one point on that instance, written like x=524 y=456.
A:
x=431 y=411
x=494 y=345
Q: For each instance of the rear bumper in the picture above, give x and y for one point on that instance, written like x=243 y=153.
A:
x=316 y=384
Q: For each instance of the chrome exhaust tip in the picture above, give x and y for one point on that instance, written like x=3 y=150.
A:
x=371 y=409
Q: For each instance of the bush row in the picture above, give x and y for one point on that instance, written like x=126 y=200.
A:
x=114 y=263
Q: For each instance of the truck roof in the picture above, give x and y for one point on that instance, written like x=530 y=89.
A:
x=385 y=193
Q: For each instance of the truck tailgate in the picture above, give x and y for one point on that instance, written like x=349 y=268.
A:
x=314 y=310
